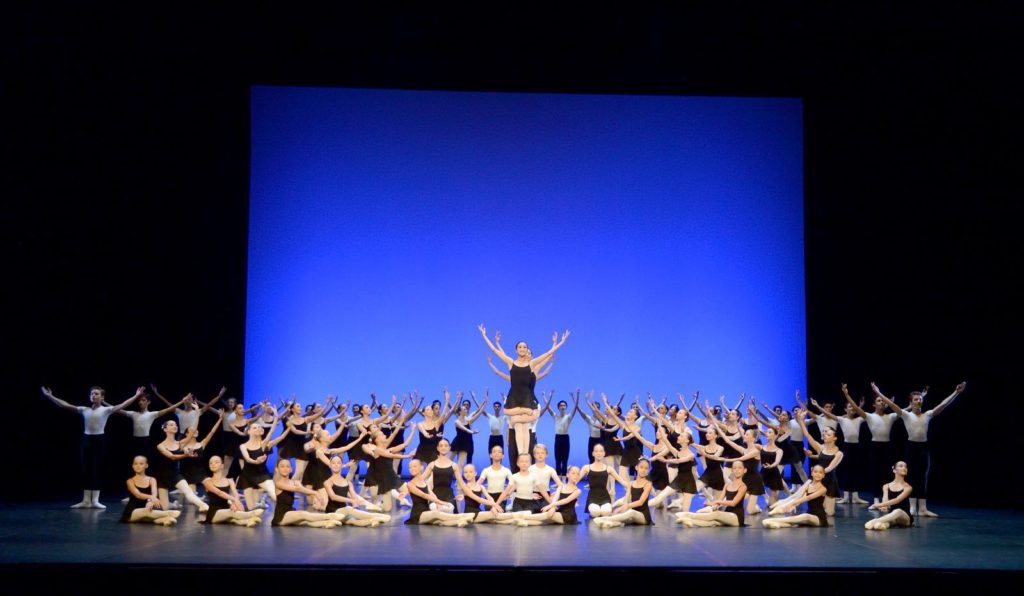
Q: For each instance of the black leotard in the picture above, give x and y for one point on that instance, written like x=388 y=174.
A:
x=419 y=506
x=712 y=476
x=332 y=505
x=598 y=493
x=284 y=504
x=684 y=482
x=736 y=509
x=216 y=502
x=632 y=451
x=443 y=478
x=771 y=477
x=830 y=481
x=520 y=393
x=135 y=502
x=568 y=510
x=904 y=505
x=253 y=474
x=634 y=494
x=752 y=478
x=816 y=507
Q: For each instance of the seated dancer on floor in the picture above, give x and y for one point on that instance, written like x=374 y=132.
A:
x=813 y=492
x=726 y=510
x=143 y=504
x=423 y=498
x=286 y=488
x=478 y=501
x=167 y=471
x=544 y=474
x=225 y=506
x=750 y=456
x=318 y=449
x=562 y=508
x=194 y=468
x=895 y=502
x=440 y=475
x=380 y=454
x=632 y=448
x=254 y=475
x=523 y=486
x=496 y=476
x=342 y=500
x=684 y=460
x=598 y=474
x=829 y=457
x=636 y=510
x=521 y=404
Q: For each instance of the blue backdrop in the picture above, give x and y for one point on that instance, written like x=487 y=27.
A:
x=665 y=232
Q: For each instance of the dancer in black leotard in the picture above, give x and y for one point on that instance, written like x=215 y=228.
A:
x=562 y=508
x=143 y=504
x=895 y=502
x=284 y=515
x=635 y=510
x=167 y=472
x=829 y=456
x=356 y=510
x=479 y=502
x=726 y=510
x=751 y=458
x=521 y=404
x=422 y=498
x=812 y=493
x=225 y=506
x=255 y=476
x=443 y=471
x=598 y=474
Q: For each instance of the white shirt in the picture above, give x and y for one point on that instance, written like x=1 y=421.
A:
x=595 y=426
x=187 y=418
x=917 y=425
x=142 y=422
x=880 y=426
x=495 y=479
x=795 y=432
x=497 y=424
x=851 y=428
x=562 y=424
x=544 y=476
x=523 y=486
x=95 y=419
x=824 y=422
x=225 y=424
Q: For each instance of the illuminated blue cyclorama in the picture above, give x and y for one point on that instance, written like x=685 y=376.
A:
x=666 y=233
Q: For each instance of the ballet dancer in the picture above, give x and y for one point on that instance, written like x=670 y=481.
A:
x=563 y=420
x=632 y=448
x=379 y=453
x=142 y=423
x=521 y=403
x=93 y=446
x=851 y=473
x=829 y=457
x=423 y=498
x=462 y=445
x=343 y=501
x=562 y=508
x=726 y=510
x=750 y=456
x=194 y=468
x=598 y=474
x=523 y=486
x=254 y=452
x=684 y=459
x=225 y=506
x=192 y=409
x=496 y=424
x=918 y=457
x=166 y=469
x=479 y=502
x=143 y=504
x=895 y=502
x=609 y=435
x=432 y=428
x=299 y=428
x=318 y=450
x=496 y=476
x=636 y=510
x=813 y=492
x=771 y=467
x=880 y=455
x=594 y=425
x=284 y=514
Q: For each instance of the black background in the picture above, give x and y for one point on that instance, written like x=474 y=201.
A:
x=127 y=187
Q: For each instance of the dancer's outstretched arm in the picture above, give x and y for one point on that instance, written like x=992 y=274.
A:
x=892 y=405
x=555 y=345
x=495 y=348
x=544 y=373
x=856 y=407
x=946 y=402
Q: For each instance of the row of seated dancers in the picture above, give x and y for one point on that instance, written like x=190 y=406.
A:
x=672 y=467
x=487 y=495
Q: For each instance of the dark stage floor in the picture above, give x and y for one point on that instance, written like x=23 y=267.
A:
x=960 y=540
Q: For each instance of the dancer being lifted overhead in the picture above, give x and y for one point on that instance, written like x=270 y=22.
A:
x=521 y=404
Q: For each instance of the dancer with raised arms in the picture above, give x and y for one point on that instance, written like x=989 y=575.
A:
x=521 y=402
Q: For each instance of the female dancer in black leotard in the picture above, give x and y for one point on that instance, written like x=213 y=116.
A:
x=599 y=499
x=462 y=445
x=255 y=476
x=443 y=471
x=379 y=455
x=225 y=506
x=895 y=502
x=636 y=510
x=167 y=472
x=683 y=482
x=284 y=515
x=726 y=510
x=521 y=402
x=422 y=498
x=143 y=504
x=812 y=493
x=771 y=467
x=750 y=455
x=344 y=501
x=829 y=457
x=192 y=467
x=632 y=448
